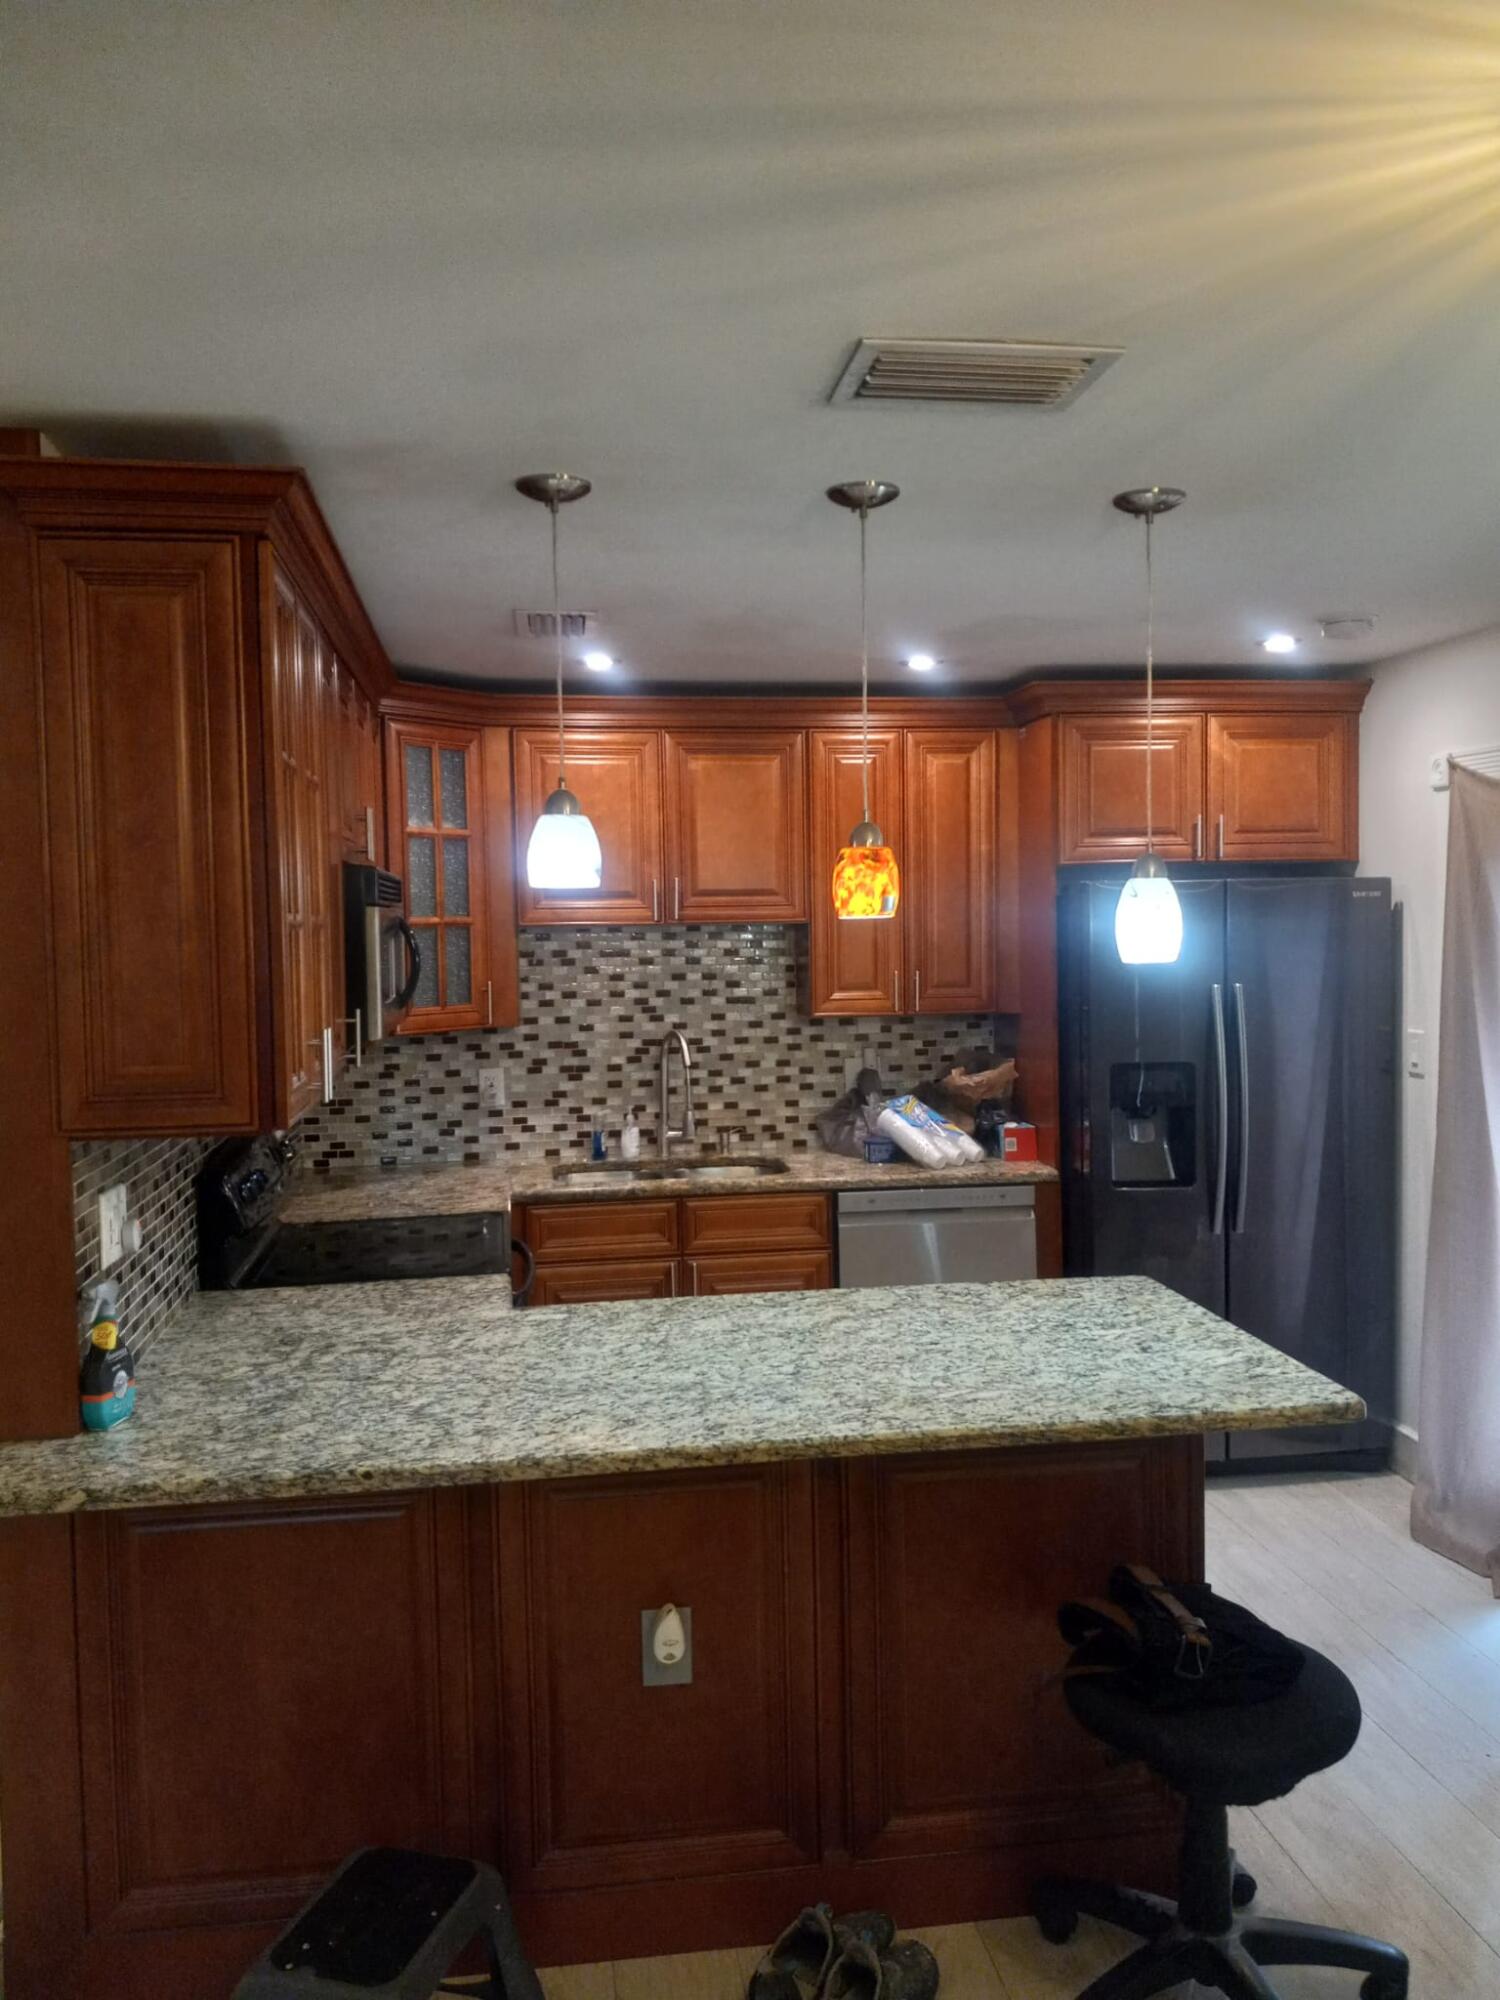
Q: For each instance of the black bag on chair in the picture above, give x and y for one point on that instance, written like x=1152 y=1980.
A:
x=1178 y=1646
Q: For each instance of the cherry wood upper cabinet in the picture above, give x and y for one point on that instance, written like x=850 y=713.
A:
x=145 y=770
x=616 y=775
x=1103 y=787
x=207 y=677
x=449 y=837
x=949 y=870
x=1283 y=787
x=736 y=825
x=853 y=967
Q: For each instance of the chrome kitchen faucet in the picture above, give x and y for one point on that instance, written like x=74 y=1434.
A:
x=688 y=1129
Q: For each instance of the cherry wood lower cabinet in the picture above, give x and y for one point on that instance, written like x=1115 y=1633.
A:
x=703 y=1246
x=202 y=1709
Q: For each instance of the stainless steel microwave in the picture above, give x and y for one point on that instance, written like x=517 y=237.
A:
x=382 y=959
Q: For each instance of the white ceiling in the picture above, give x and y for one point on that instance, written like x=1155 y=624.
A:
x=423 y=247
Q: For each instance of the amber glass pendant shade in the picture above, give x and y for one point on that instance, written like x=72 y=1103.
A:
x=866 y=883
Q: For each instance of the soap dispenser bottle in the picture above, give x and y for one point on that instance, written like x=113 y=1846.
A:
x=630 y=1137
x=107 y=1383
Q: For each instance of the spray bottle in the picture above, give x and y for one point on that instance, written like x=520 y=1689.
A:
x=107 y=1384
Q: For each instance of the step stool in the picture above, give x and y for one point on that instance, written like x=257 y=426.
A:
x=388 y=1926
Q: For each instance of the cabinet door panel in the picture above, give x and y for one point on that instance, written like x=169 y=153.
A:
x=736 y=826
x=754 y=1222
x=1103 y=781
x=853 y=967
x=148 y=822
x=612 y=1781
x=267 y=1695
x=950 y=870
x=591 y=1284
x=759 y=1271
x=575 y=1231
x=1285 y=787
x=616 y=775
x=953 y=1606
x=443 y=843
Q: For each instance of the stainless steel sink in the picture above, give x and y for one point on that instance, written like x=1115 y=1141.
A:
x=702 y=1167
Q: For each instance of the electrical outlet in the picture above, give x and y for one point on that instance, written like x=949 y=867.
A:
x=492 y=1089
x=114 y=1205
x=1416 y=1052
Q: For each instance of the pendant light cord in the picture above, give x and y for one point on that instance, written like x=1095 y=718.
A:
x=557 y=632
x=864 y=672
x=1150 y=687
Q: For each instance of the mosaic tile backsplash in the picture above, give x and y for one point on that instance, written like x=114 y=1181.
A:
x=159 y=1174
x=595 y=1004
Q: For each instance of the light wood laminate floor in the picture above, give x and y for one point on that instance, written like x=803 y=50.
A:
x=1402 y=1839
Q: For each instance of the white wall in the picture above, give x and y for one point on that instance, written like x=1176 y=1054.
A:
x=1442 y=698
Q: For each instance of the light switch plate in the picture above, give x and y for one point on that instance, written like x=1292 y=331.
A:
x=653 y=1673
x=1416 y=1053
x=114 y=1205
x=492 y=1088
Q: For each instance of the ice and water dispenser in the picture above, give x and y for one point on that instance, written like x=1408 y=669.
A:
x=1153 y=1123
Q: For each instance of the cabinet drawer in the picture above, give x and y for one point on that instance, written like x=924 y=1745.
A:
x=579 y=1230
x=759 y=1271
x=759 y=1221
x=594 y=1284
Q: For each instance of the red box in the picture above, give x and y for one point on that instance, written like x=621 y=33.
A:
x=1018 y=1142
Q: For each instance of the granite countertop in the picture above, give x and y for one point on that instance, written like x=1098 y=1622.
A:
x=458 y=1190
x=437 y=1382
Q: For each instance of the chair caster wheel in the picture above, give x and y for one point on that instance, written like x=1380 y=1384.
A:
x=1244 y=1890
x=1055 y=1921
x=1381 y=1986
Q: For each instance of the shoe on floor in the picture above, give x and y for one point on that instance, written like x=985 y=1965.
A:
x=905 y=1971
x=797 y=1965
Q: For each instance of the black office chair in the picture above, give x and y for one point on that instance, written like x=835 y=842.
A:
x=1216 y=1758
x=388 y=1926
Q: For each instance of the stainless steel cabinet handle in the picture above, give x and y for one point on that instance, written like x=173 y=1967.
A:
x=489 y=1003
x=916 y=992
x=898 y=989
x=677 y=898
x=1198 y=838
x=328 y=1065
x=369 y=833
x=672 y=1279
x=1221 y=1067
x=655 y=902
x=1242 y=1191
x=693 y=1279
x=1221 y=836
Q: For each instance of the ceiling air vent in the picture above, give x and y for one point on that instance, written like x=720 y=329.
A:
x=542 y=625
x=1011 y=374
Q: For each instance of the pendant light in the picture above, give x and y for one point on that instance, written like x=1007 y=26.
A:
x=1148 y=916
x=866 y=880
x=563 y=852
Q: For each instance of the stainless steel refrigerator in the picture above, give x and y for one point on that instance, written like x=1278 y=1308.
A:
x=1229 y=1124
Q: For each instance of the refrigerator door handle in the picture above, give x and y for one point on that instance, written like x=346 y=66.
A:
x=1221 y=1066
x=1242 y=1190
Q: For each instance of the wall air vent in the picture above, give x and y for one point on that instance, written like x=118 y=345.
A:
x=1009 y=374
x=542 y=625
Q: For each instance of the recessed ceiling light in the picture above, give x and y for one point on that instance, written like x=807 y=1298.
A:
x=598 y=663
x=1280 y=642
x=921 y=663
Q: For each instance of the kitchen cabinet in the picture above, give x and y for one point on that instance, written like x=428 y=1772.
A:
x=207 y=1688
x=736 y=826
x=610 y=1781
x=704 y=1245
x=148 y=799
x=616 y=777
x=1103 y=786
x=933 y=793
x=1283 y=787
x=449 y=837
x=209 y=697
x=696 y=826
x=1245 y=784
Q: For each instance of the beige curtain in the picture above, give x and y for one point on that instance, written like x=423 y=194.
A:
x=1456 y=1505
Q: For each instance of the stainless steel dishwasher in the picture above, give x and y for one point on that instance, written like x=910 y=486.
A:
x=936 y=1236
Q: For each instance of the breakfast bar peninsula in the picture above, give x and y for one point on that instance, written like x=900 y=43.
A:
x=379 y=1563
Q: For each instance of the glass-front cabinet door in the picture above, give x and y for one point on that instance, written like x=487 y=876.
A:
x=438 y=777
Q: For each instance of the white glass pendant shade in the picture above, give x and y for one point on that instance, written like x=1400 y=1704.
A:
x=1148 y=916
x=564 y=852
